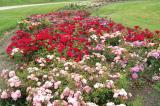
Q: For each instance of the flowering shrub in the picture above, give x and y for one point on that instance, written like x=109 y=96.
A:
x=154 y=61
x=69 y=38
x=77 y=60
x=63 y=82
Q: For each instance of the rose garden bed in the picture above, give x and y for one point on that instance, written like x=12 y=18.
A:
x=73 y=59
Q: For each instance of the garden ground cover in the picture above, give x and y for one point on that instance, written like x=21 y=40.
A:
x=144 y=13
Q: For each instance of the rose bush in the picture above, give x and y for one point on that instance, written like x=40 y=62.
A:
x=64 y=82
x=73 y=59
x=71 y=33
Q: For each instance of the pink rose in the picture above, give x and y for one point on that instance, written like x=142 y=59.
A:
x=109 y=84
x=87 y=89
x=66 y=92
x=78 y=84
x=29 y=98
x=77 y=95
x=134 y=75
x=57 y=84
x=56 y=103
x=4 y=95
x=14 y=81
x=36 y=100
x=12 y=74
x=4 y=73
x=64 y=103
x=16 y=95
x=73 y=101
x=48 y=84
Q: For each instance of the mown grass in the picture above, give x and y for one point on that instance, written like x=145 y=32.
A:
x=144 y=13
x=9 y=18
x=138 y=101
x=22 y=2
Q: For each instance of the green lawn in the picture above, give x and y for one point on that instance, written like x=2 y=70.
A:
x=145 y=13
x=9 y=18
x=21 y=2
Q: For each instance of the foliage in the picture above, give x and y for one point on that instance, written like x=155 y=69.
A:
x=138 y=101
x=72 y=58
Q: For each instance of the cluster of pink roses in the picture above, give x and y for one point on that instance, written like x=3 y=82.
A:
x=155 y=54
x=13 y=81
x=52 y=89
x=136 y=69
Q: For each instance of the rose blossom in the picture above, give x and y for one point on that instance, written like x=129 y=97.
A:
x=57 y=84
x=110 y=104
x=87 y=89
x=48 y=84
x=109 y=84
x=120 y=92
x=98 y=85
x=121 y=105
x=14 y=81
x=73 y=101
x=4 y=95
x=65 y=92
x=15 y=95
x=134 y=75
x=91 y=104
x=4 y=73
x=156 y=78
x=12 y=74
x=55 y=103
x=137 y=68
x=155 y=54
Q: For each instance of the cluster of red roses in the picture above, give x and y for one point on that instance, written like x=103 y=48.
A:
x=137 y=34
x=58 y=17
x=70 y=37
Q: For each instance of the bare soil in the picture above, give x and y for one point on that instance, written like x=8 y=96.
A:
x=5 y=61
